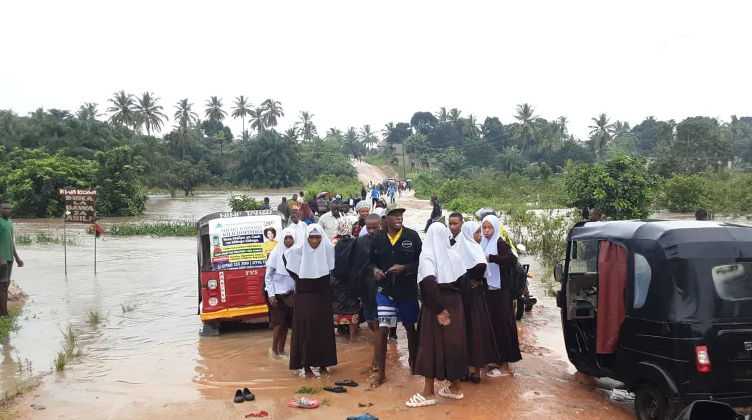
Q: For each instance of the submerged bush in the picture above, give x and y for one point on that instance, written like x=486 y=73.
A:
x=165 y=228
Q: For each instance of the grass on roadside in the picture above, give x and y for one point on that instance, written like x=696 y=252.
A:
x=159 y=229
x=128 y=307
x=9 y=323
x=94 y=318
x=308 y=390
x=24 y=240
x=69 y=351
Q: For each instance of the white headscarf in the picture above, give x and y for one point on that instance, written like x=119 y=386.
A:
x=437 y=257
x=309 y=263
x=469 y=250
x=490 y=248
x=361 y=204
x=275 y=257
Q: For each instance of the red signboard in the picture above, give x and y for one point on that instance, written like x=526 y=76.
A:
x=79 y=205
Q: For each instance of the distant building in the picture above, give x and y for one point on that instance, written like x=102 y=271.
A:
x=405 y=160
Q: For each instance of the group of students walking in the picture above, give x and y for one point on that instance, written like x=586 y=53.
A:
x=465 y=322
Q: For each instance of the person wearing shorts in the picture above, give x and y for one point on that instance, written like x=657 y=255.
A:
x=394 y=254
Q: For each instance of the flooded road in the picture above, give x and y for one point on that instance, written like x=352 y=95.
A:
x=146 y=360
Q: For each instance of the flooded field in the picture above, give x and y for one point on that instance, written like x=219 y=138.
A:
x=145 y=359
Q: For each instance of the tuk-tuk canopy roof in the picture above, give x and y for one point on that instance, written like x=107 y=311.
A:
x=679 y=239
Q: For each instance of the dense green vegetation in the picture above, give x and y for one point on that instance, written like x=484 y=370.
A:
x=164 y=228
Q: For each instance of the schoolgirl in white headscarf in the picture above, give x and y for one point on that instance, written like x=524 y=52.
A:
x=310 y=263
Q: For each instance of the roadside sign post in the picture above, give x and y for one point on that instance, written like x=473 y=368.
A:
x=79 y=208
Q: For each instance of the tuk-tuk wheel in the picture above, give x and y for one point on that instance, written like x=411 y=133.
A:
x=210 y=329
x=650 y=403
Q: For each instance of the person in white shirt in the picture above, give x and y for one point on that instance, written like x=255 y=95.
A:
x=330 y=222
x=280 y=287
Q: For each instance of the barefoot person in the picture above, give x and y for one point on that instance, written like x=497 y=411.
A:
x=280 y=287
x=310 y=263
x=363 y=274
x=481 y=343
x=395 y=255
x=7 y=254
x=442 y=352
x=500 y=255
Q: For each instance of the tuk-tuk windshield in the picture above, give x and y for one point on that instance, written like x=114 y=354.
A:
x=712 y=289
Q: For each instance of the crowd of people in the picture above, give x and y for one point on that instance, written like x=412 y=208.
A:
x=450 y=291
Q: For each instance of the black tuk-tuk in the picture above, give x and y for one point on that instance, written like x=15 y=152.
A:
x=664 y=307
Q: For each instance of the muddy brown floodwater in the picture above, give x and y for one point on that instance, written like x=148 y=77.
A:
x=150 y=362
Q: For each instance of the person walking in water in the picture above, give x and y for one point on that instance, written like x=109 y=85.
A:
x=8 y=254
x=500 y=255
x=394 y=254
x=442 y=349
x=310 y=263
x=280 y=287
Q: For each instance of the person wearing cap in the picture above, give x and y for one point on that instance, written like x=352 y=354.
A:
x=394 y=254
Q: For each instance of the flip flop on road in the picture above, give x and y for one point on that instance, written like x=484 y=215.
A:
x=304 y=402
x=418 y=400
x=348 y=382
x=239 y=397
x=365 y=416
x=361 y=405
x=259 y=414
x=336 y=389
x=248 y=395
x=496 y=373
x=447 y=393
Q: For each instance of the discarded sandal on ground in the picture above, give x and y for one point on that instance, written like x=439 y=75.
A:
x=259 y=414
x=447 y=393
x=239 y=397
x=304 y=402
x=418 y=400
x=496 y=373
x=348 y=382
x=361 y=405
x=365 y=416
x=248 y=395
x=336 y=389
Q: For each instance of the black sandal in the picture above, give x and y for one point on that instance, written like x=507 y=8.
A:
x=336 y=389
x=348 y=382
x=248 y=395
x=239 y=397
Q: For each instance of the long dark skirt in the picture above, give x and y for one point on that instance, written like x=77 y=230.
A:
x=504 y=325
x=312 y=333
x=442 y=350
x=481 y=339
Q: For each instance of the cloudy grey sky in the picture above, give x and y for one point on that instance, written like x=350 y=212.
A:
x=356 y=62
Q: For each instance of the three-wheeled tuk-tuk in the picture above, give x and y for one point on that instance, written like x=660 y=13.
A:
x=664 y=307
x=232 y=252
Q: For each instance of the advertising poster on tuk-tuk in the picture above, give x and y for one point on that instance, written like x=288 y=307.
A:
x=243 y=242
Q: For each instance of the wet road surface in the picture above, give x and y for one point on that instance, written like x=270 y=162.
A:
x=151 y=363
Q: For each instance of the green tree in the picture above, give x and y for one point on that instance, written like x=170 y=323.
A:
x=335 y=133
x=291 y=134
x=621 y=188
x=242 y=109
x=699 y=146
x=270 y=161
x=123 y=109
x=454 y=117
x=423 y=122
x=396 y=133
x=88 y=111
x=149 y=113
x=650 y=134
x=272 y=110
x=118 y=184
x=453 y=162
x=442 y=116
x=307 y=127
x=185 y=118
x=257 y=120
x=351 y=145
x=214 y=111
x=525 y=124
x=600 y=135
x=368 y=137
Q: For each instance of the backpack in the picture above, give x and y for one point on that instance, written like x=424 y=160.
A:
x=343 y=258
x=517 y=278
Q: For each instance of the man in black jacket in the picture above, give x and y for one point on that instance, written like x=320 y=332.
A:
x=395 y=254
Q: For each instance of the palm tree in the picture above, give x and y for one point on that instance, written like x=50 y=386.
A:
x=307 y=127
x=88 y=111
x=123 y=109
x=368 y=137
x=388 y=129
x=242 y=109
x=526 y=123
x=600 y=134
x=473 y=129
x=184 y=117
x=257 y=120
x=351 y=143
x=442 y=115
x=214 y=111
x=334 y=133
x=272 y=111
x=561 y=122
x=149 y=113
x=454 y=116
x=291 y=134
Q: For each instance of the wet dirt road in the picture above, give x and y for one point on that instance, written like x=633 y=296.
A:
x=151 y=363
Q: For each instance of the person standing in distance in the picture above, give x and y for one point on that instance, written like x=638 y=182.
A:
x=7 y=254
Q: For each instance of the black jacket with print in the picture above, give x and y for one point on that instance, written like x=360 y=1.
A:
x=406 y=251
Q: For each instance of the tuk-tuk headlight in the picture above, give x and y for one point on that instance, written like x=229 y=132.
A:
x=213 y=301
x=211 y=284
